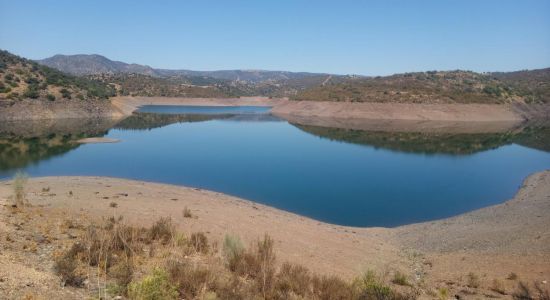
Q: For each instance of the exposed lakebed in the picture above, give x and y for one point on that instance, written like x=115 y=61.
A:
x=342 y=176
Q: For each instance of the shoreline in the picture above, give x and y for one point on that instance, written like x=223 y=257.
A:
x=123 y=106
x=513 y=235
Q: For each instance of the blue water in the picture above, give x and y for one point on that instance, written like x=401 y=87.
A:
x=276 y=163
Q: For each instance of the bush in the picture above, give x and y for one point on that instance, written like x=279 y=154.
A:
x=400 y=279
x=292 y=280
x=233 y=251
x=199 y=242
x=153 y=287
x=187 y=212
x=498 y=287
x=65 y=266
x=19 y=181
x=122 y=273
x=65 y=93
x=190 y=281
x=473 y=280
x=332 y=288
x=162 y=230
x=50 y=97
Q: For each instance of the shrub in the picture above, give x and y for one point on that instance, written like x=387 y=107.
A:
x=498 y=287
x=31 y=92
x=199 y=242
x=512 y=276
x=162 y=230
x=50 y=97
x=292 y=280
x=65 y=93
x=369 y=286
x=265 y=258
x=122 y=272
x=153 y=287
x=473 y=280
x=400 y=279
x=523 y=292
x=65 y=266
x=190 y=281
x=233 y=251
x=332 y=288
x=19 y=181
x=187 y=213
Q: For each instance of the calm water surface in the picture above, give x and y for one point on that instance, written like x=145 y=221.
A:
x=346 y=177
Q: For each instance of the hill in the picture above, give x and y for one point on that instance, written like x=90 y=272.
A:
x=21 y=78
x=438 y=87
x=93 y=64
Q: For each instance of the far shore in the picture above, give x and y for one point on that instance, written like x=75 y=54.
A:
x=120 y=107
x=512 y=237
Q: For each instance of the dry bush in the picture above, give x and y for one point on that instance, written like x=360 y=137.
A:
x=19 y=182
x=473 y=280
x=543 y=294
x=162 y=230
x=122 y=272
x=191 y=281
x=199 y=242
x=512 y=276
x=292 y=280
x=187 y=212
x=65 y=266
x=498 y=287
x=400 y=279
x=332 y=288
x=522 y=292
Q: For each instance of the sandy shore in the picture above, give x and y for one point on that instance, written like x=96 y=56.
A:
x=492 y=242
x=491 y=116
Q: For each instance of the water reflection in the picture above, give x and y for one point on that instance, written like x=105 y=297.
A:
x=436 y=142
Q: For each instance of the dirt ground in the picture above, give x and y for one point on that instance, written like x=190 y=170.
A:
x=490 y=243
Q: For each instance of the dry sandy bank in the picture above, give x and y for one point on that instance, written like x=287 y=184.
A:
x=59 y=109
x=291 y=110
x=491 y=242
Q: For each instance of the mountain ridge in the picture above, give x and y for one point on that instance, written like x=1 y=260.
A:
x=94 y=64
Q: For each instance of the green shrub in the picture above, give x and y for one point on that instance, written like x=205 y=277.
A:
x=65 y=93
x=153 y=287
x=50 y=97
x=233 y=251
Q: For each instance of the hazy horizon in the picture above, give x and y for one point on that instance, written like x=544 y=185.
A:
x=374 y=38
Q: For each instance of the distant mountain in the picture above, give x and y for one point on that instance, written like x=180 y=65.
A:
x=93 y=64
x=84 y=64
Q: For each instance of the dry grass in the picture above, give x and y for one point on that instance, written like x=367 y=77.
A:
x=115 y=259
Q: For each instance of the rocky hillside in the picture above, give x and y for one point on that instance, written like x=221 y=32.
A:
x=93 y=64
x=438 y=87
x=21 y=78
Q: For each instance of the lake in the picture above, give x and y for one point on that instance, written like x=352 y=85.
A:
x=340 y=176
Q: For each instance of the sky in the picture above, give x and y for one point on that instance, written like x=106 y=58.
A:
x=342 y=37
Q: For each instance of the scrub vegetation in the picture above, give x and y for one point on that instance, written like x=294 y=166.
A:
x=21 y=78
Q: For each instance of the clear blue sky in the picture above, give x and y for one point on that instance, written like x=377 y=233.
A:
x=359 y=37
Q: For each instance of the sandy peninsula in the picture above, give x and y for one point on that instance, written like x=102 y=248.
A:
x=493 y=242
